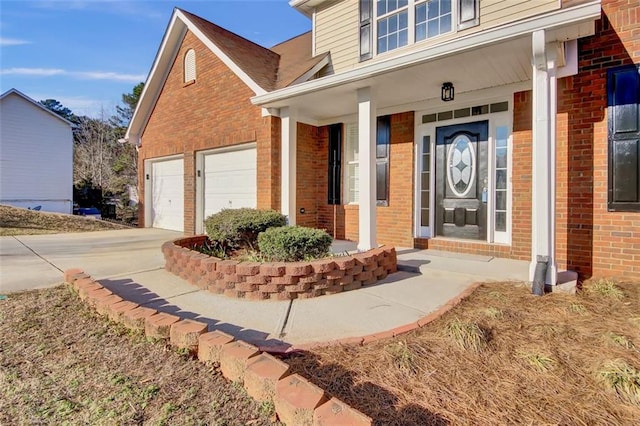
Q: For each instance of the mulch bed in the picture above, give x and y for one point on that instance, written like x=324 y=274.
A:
x=539 y=360
x=62 y=364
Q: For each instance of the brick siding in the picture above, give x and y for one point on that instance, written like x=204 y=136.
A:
x=394 y=222
x=188 y=118
x=590 y=239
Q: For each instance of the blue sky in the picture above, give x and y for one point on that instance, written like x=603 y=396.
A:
x=87 y=53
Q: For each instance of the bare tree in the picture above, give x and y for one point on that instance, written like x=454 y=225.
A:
x=95 y=148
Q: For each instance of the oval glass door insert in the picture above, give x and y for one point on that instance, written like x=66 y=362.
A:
x=461 y=172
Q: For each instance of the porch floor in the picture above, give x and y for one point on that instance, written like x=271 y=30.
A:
x=429 y=262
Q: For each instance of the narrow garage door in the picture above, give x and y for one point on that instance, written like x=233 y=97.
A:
x=167 y=191
x=229 y=180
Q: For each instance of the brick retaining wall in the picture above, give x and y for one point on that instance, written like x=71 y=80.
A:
x=265 y=378
x=276 y=281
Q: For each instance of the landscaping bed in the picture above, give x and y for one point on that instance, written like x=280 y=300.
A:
x=502 y=356
x=276 y=280
x=61 y=363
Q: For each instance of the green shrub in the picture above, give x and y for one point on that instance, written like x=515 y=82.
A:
x=293 y=243
x=239 y=228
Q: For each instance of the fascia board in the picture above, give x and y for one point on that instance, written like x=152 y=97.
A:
x=155 y=80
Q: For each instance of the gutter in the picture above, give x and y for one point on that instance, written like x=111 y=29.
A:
x=301 y=6
x=560 y=17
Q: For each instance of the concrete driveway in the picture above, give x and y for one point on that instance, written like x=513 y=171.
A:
x=35 y=261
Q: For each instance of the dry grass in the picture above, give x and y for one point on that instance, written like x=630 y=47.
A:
x=15 y=221
x=543 y=360
x=623 y=379
x=61 y=364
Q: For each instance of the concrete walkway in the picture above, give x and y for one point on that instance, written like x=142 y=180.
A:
x=129 y=263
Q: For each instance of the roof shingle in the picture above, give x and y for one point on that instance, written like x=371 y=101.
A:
x=270 y=69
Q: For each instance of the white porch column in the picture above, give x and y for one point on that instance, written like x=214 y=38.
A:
x=367 y=169
x=288 y=164
x=543 y=209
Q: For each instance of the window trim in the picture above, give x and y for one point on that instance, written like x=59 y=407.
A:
x=189 y=55
x=371 y=23
x=379 y=160
x=347 y=199
x=612 y=205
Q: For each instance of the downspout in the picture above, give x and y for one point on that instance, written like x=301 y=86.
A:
x=540 y=275
x=542 y=266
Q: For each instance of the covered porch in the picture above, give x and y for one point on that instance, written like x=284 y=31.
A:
x=486 y=69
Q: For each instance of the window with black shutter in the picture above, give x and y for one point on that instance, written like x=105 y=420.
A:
x=335 y=163
x=469 y=13
x=366 y=32
x=383 y=139
x=623 y=95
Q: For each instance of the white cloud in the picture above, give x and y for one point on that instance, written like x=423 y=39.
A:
x=12 y=41
x=85 y=75
x=113 y=76
x=42 y=72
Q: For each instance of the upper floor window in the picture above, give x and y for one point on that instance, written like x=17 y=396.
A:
x=397 y=23
x=190 y=66
x=433 y=18
x=392 y=24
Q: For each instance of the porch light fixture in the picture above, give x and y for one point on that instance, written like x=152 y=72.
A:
x=448 y=92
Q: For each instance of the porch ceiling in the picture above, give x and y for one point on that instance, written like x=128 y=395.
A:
x=490 y=66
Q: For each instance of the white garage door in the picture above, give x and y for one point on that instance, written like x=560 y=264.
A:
x=229 y=180
x=167 y=191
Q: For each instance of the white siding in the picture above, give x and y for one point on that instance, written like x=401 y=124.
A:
x=36 y=157
x=337 y=26
x=337 y=32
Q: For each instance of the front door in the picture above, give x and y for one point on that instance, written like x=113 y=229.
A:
x=461 y=180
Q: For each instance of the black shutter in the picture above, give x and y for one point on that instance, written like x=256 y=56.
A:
x=335 y=163
x=623 y=94
x=469 y=13
x=366 y=32
x=383 y=139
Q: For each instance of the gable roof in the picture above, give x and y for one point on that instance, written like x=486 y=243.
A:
x=261 y=69
x=296 y=63
x=37 y=104
x=260 y=64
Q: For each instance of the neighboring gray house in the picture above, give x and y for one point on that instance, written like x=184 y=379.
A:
x=36 y=155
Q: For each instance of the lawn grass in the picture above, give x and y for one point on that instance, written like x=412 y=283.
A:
x=62 y=364
x=16 y=221
x=503 y=356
